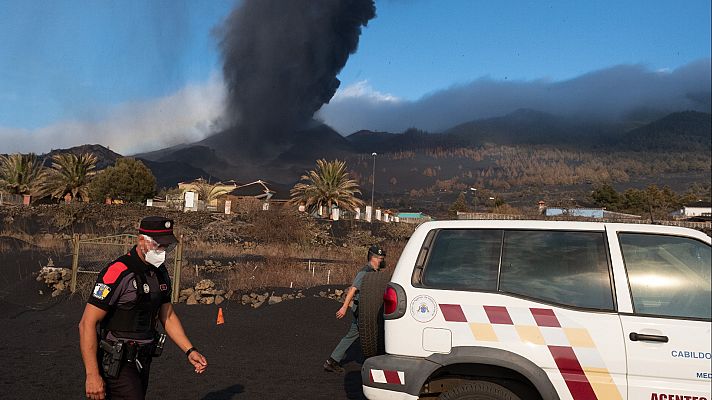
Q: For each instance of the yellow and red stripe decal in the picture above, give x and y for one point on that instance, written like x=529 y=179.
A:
x=585 y=382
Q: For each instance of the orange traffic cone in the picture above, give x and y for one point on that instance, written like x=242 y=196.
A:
x=220 y=320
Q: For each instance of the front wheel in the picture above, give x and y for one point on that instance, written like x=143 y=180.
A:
x=479 y=390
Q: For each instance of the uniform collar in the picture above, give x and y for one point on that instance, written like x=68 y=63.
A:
x=136 y=261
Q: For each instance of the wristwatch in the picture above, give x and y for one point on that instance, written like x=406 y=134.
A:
x=190 y=350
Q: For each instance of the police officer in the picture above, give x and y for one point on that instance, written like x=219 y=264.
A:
x=376 y=261
x=130 y=297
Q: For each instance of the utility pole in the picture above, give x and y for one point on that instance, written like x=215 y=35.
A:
x=373 y=186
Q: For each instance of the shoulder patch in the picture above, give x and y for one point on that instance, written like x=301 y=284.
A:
x=101 y=291
x=113 y=272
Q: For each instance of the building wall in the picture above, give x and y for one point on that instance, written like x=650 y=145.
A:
x=696 y=211
x=574 y=212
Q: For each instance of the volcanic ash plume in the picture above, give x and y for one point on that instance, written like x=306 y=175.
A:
x=281 y=58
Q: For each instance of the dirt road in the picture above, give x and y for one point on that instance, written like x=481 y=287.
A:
x=274 y=352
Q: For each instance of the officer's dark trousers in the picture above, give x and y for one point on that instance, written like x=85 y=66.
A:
x=130 y=384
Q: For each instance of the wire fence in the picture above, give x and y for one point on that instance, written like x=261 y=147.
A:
x=90 y=256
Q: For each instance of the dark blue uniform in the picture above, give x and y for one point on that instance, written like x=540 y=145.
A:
x=131 y=292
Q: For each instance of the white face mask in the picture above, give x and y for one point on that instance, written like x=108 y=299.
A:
x=155 y=258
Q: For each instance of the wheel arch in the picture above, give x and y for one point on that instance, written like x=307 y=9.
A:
x=464 y=361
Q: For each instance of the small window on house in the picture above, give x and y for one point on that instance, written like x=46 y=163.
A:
x=567 y=268
x=465 y=259
x=668 y=275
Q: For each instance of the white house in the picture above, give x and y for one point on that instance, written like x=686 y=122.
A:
x=699 y=209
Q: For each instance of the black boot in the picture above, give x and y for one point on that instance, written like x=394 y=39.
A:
x=332 y=365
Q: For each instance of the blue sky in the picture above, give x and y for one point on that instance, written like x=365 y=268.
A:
x=415 y=47
x=86 y=64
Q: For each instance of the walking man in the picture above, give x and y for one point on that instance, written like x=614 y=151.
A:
x=118 y=334
x=376 y=257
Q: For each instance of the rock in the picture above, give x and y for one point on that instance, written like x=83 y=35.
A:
x=253 y=295
x=219 y=292
x=274 y=300
x=56 y=293
x=207 y=300
x=50 y=263
x=205 y=284
x=245 y=299
x=322 y=294
x=191 y=300
x=257 y=304
x=219 y=299
x=266 y=294
x=60 y=286
x=338 y=292
x=229 y=294
x=187 y=292
x=261 y=298
x=208 y=292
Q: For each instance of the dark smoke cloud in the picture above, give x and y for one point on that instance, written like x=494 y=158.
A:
x=281 y=58
x=612 y=94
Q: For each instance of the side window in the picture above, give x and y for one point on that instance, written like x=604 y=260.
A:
x=568 y=268
x=465 y=259
x=668 y=275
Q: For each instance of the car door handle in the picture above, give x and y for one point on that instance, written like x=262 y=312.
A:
x=647 y=338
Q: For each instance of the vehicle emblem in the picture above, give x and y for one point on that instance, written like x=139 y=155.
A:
x=423 y=308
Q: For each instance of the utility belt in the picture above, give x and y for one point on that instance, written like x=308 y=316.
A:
x=116 y=354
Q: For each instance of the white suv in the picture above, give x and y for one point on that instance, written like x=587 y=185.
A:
x=546 y=310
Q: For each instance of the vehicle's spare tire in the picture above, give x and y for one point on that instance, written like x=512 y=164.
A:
x=370 y=312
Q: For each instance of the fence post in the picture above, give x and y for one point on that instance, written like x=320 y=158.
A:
x=177 y=270
x=128 y=243
x=75 y=260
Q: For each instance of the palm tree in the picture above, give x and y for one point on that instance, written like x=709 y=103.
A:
x=70 y=175
x=208 y=192
x=22 y=174
x=330 y=184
